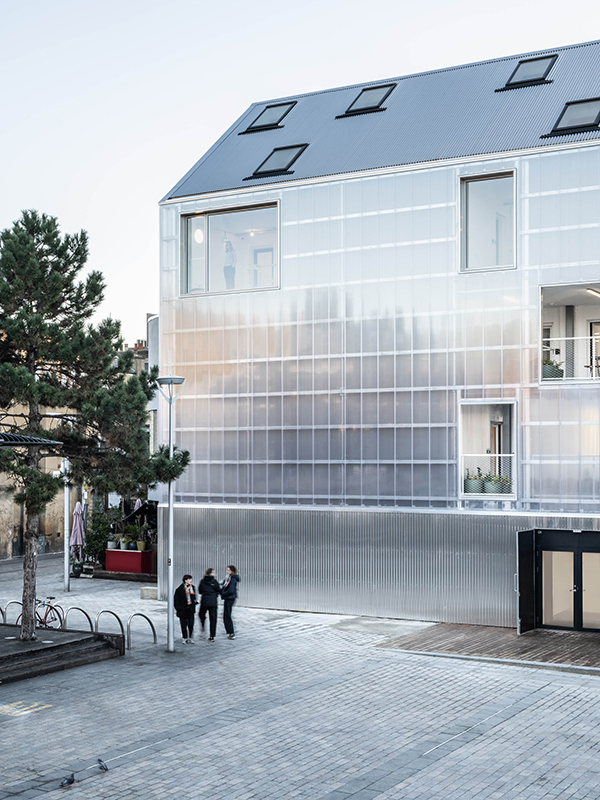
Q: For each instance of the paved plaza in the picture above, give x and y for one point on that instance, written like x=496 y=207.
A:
x=297 y=706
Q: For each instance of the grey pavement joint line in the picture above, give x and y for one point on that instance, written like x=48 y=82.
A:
x=477 y=724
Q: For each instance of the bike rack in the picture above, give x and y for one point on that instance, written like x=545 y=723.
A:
x=139 y=614
x=83 y=611
x=116 y=616
x=11 y=603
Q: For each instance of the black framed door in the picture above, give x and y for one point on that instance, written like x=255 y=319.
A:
x=525 y=581
x=567 y=580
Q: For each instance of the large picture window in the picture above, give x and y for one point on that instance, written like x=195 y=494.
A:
x=230 y=251
x=488 y=222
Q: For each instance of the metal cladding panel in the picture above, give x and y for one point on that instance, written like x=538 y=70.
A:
x=441 y=567
x=438 y=115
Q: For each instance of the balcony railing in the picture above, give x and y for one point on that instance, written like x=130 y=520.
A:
x=488 y=474
x=571 y=358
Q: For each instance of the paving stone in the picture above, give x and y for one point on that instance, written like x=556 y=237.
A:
x=299 y=706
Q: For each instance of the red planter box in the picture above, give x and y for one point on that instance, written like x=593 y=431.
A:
x=129 y=561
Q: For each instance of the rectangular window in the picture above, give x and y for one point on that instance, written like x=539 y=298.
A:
x=271 y=116
x=488 y=222
x=280 y=160
x=230 y=251
x=533 y=70
x=370 y=99
x=487 y=449
x=577 y=115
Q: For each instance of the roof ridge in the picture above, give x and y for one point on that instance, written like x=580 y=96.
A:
x=427 y=72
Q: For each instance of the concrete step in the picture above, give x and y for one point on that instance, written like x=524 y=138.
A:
x=54 y=658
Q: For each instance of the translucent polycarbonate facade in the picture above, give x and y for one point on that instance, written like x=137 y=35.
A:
x=344 y=385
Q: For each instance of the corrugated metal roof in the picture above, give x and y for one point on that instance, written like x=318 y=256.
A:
x=17 y=440
x=449 y=113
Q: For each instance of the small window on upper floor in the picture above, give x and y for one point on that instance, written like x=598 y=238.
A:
x=270 y=117
x=487 y=221
x=581 y=115
x=279 y=162
x=370 y=99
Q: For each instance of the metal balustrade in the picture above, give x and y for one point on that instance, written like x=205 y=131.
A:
x=488 y=474
x=570 y=358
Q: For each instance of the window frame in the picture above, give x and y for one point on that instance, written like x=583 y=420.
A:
x=514 y=495
x=370 y=109
x=254 y=128
x=183 y=250
x=258 y=173
x=556 y=131
x=510 y=84
x=462 y=219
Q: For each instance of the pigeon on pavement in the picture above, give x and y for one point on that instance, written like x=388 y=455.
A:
x=102 y=765
x=69 y=781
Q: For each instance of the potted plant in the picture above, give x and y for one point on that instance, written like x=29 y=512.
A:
x=505 y=484
x=143 y=537
x=491 y=484
x=552 y=369
x=474 y=482
x=131 y=536
x=76 y=569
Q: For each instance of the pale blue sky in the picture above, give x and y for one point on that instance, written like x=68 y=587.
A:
x=106 y=104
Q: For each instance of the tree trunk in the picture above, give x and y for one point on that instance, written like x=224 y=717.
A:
x=30 y=541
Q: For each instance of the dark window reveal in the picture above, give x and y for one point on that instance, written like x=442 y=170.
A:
x=370 y=99
x=280 y=160
x=534 y=69
x=271 y=116
x=585 y=113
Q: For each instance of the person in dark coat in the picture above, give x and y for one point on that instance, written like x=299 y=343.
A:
x=229 y=595
x=185 y=601
x=209 y=592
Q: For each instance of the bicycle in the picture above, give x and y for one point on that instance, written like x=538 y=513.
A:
x=46 y=614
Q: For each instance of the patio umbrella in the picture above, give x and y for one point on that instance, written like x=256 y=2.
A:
x=77 y=537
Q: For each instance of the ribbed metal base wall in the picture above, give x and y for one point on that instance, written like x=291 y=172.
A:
x=447 y=567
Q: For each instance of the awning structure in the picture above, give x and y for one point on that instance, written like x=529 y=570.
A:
x=16 y=440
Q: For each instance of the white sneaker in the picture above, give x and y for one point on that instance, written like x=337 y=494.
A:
x=184 y=641
x=190 y=641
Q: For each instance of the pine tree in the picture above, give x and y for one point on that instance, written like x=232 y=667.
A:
x=65 y=379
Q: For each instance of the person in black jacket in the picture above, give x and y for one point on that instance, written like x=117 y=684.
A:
x=209 y=592
x=185 y=601
x=229 y=595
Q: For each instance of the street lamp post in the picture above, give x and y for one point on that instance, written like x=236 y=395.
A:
x=169 y=382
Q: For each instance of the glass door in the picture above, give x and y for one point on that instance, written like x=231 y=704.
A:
x=558 y=589
x=590 y=594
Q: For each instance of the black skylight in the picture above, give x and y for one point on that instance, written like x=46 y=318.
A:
x=370 y=99
x=577 y=117
x=270 y=117
x=279 y=162
x=530 y=72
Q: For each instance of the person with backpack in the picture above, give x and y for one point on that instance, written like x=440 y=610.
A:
x=209 y=590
